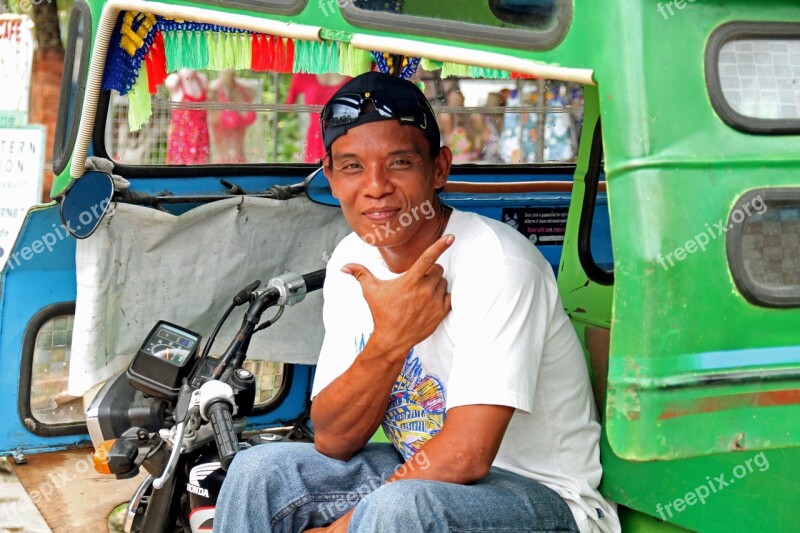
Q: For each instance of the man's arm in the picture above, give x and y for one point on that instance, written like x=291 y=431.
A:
x=462 y=452
x=405 y=311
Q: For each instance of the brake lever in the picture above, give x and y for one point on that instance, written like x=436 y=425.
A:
x=184 y=400
x=181 y=412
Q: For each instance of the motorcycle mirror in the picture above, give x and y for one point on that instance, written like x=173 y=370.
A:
x=85 y=203
x=318 y=189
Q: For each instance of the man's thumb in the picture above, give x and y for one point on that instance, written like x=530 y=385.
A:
x=360 y=272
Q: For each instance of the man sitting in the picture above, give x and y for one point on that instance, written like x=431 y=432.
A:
x=447 y=329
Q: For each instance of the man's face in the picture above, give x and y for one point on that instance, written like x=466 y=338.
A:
x=385 y=180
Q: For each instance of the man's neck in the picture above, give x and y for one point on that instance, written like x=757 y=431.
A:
x=400 y=258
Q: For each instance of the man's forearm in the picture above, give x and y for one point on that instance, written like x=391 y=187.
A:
x=346 y=413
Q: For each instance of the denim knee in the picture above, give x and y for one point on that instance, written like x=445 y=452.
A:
x=402 y=506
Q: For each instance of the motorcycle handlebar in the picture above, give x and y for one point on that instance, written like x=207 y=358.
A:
x=314 y=280
x=219 y=414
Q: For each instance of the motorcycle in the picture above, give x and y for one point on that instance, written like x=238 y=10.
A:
x=181 y=416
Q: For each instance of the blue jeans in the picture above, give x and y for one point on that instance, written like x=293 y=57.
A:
x=290 y=487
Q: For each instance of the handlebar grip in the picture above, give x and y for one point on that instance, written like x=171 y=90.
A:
x=314 y=280
x=219 y=414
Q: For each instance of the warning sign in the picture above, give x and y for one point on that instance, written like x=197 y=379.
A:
x=21 y=166
x=542 y=226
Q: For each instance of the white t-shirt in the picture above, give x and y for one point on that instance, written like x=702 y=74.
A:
x=506 y=341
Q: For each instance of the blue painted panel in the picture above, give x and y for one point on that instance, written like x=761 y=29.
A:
x=30 y=282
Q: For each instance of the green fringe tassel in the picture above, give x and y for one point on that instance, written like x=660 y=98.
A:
x=331 y=58
x=316 y=57
x=489 y=73
x=227 y=47
x=353 y=61
x=455 y=70
x=301 y=59
x=202 y=50
x=430 y=64
x=187 y=51
x=216 y=57
x=139 y=109
x=197 y=55
x=243 y=51
x=171 y=50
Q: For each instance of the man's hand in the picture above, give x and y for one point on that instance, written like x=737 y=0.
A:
x=407 y=309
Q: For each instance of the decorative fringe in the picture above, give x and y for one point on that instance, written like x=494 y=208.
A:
x=134 y=30
x=269 y=53
x=430 y=64
x=455 y=70
x=301 y=57
x=316 y=57
x=242 y=57
x=216 y=50
x=287 y=56
x=353 y=61
x=171 y=51
x=156 y=64
x=489 y=73
x=521 y=76
x=132 y=37
x=330 y=58
x=139 y=110
x=187 y=52
x=168 y=45
x=260 y=48
x=410 y=65
x=202 y=49
x=385 y=62
x=195 y=52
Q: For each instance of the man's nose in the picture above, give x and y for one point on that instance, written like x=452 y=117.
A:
x=376 y=182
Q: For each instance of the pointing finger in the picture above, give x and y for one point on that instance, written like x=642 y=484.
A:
x=429 y=256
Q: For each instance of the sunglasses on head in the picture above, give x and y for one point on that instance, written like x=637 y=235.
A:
x=346 y=108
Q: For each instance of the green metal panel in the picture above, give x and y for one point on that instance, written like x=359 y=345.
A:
x=586 y=302
x=676 y=326
x=763 y=498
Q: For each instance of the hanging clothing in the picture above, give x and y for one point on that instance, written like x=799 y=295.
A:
x=314 y=93
x=187 y=140
x=229 y=127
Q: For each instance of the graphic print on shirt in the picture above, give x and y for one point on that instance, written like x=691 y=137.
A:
x=416 y=409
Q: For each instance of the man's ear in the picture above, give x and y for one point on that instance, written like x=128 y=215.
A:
x=442 y=162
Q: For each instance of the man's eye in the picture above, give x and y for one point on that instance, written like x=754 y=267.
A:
x=350 y=167
x=401 y=163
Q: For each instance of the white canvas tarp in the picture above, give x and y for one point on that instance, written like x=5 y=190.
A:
x=143 y=265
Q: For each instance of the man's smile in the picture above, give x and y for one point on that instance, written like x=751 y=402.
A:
x=381 y=214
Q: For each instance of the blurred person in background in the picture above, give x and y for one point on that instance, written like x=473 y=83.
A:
x=228 y=126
